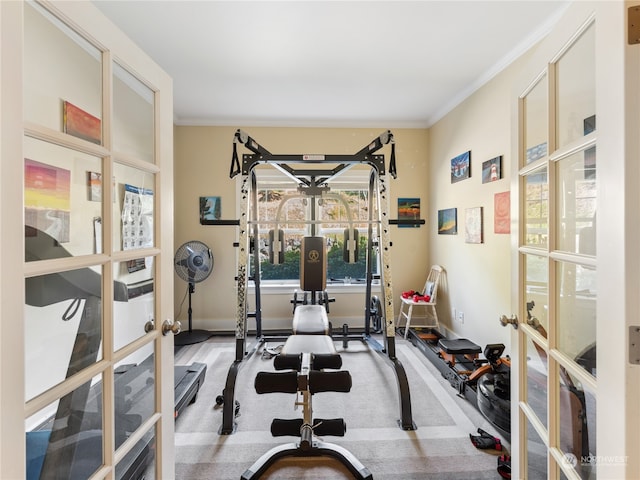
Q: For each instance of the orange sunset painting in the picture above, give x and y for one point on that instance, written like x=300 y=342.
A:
x=47 y=202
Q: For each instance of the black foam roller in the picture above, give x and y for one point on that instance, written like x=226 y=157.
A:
x=329 y=381
x=326 y=360
x=281 y=427
x=288 y=362
x=280 y=382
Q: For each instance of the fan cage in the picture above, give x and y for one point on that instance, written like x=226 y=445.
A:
x=193 y=261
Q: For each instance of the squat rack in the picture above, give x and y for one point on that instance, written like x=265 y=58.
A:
x=314 y=179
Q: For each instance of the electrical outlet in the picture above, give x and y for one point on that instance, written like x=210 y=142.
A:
x=461 y=317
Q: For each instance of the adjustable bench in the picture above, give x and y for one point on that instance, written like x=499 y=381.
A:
x=301 y=364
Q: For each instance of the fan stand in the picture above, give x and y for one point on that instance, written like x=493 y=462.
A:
x=191 y=336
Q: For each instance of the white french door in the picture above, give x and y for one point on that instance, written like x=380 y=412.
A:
x=87 y=249
x=574 y=411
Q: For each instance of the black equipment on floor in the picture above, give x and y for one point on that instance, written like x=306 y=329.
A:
x=484 y=382
x=193 y=263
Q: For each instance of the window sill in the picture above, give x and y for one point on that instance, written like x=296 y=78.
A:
x=288 y=288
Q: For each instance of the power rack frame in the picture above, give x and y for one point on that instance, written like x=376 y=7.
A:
x=314 y=178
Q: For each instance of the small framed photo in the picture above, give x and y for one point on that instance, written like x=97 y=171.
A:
x=473 y=225
x=461 y=167
x=409 y=209
x=94 y=180
x=81 y=124
x=210 y=209
x=448 y=221
x=492 y=170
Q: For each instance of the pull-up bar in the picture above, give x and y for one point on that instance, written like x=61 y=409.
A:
x=262 y=155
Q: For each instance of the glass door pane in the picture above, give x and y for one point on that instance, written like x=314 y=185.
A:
x=535 y=121
x=57 y=179
x=64 y=439
x=134 y=210
x=536 y=208
x=63 y=326
x=134 y=111
x=576 y=219
x=62 y=77
x=576 y=89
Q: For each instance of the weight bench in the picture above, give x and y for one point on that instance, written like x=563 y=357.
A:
x=305 y=358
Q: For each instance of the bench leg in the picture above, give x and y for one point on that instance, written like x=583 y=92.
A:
x=317 y=449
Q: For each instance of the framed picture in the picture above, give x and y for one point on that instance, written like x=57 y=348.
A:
x=448 y=221
x=461 y=167
x=94 y=180
x=408 y=209
x=536 y=152
x=502 y=212
x=210 y=209
x=473 y=225
x=47 y=200
x=81 y=124
x=492 y=170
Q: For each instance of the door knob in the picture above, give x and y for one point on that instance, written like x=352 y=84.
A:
x=149 y=326
x=171 y=327
x=513 y=320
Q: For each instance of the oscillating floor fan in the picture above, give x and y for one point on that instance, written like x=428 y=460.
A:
x=193 y=263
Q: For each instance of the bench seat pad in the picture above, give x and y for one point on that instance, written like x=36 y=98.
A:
x=319 y=344
x=459 y=346
x=310 y=320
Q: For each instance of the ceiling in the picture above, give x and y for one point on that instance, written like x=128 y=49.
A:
x=387 y=64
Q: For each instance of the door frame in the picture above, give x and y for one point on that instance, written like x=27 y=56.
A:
x=86 y=18
x=618 y=234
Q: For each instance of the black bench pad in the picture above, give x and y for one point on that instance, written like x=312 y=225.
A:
x=459 y=346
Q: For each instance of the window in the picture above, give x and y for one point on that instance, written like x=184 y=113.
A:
x=344 y=207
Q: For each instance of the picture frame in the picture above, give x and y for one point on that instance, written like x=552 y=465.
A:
x=448 y=221
x=408 y=209
x=461 y=167
x=473 y=225
x=81 y=124
x=536 y=152
x=492 y=170
x=94 y=181
x=209 y=209
x=47 y=200
x=502 y=212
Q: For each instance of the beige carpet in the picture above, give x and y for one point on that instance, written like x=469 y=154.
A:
x=438 y=449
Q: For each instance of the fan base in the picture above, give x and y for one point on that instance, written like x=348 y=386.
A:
x=190 y=337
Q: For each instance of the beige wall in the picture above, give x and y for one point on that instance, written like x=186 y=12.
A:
x=477 y=281
x=202 y=159
x=478 y=276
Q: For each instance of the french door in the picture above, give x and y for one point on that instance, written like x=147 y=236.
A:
x=87 y=242
x=574 y=413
